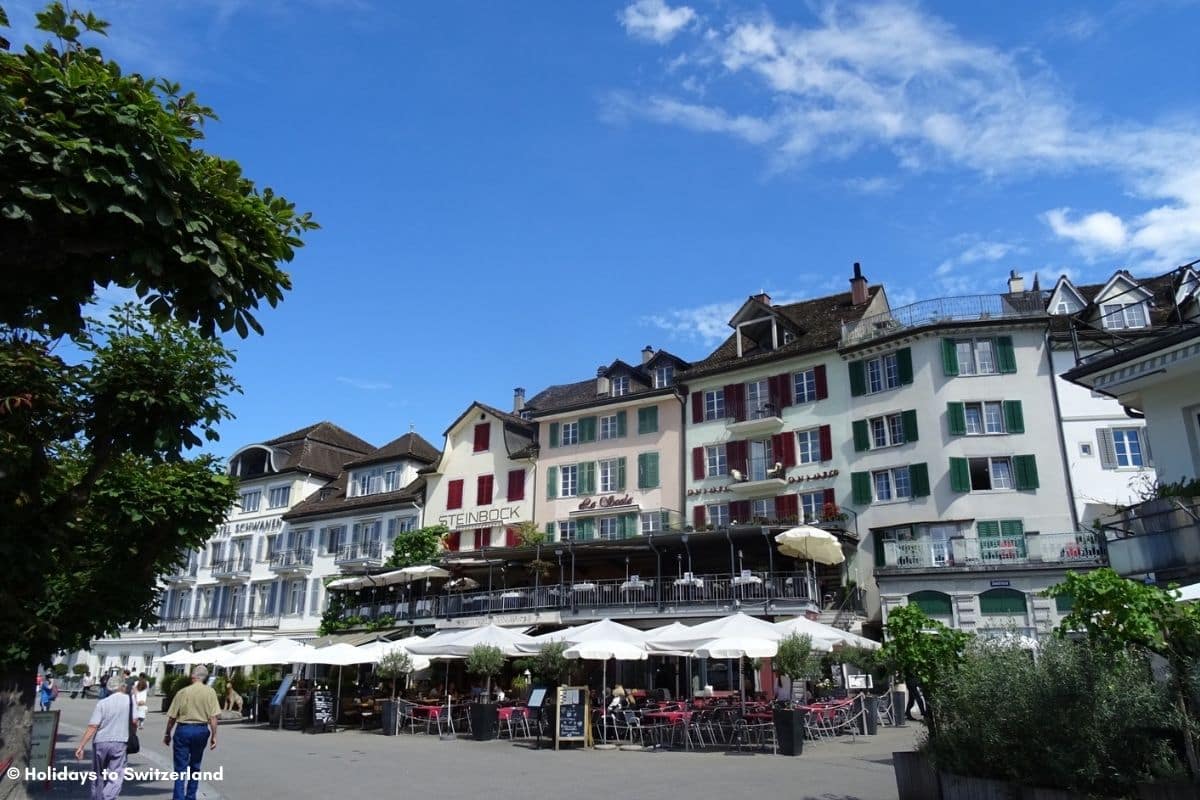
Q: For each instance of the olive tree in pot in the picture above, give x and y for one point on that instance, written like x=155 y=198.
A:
x=391 y=666
x=796 y=660
x=485 y=661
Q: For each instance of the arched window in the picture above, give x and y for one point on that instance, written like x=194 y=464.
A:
x=1006 y=602
x=935 y=604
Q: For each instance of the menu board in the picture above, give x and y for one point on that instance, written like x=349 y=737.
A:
x=537 y=696
x=572 y=717
x=323 y=710
x=41 y=744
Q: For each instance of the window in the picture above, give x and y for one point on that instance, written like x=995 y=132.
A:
x=934 y=604
x=718 y=515
x=620 y=386
x=334 y=538
x=883 y=373
x=758 y=398
x=278 y=496
x=976 y=356
x=295 y=603
x=367 y=531
x=891 y=484
x=763 y=509
x=250 y=501
x=568 y=529
x=373 y=481
x=609 y=528
x=804 y=386
x=714 y=404
x=648 y=420
x=886 y=431
x=609 y=475
x=1085 y=449
x=717 y=463
x=984 y=418
x=570 y=481
x=484 y=487
x=1002 y=602
x=483 y=432
x=570 y=433
x=811 y=505
x=647 y=471
x=652 y=521
x=608 y=427
x=990 y=473
x=664 y=376
x=1119 y=316
x=808 y=445
x=1128 y=445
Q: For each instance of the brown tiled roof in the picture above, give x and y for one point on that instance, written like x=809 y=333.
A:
x=411 y=446
x=1089 y=331
x=819 y=322
x=583 y=393
x=504 y=416
x=331 y=499
x=321 y=448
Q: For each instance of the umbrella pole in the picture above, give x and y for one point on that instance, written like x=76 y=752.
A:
x=337 y=700
x=604 y=700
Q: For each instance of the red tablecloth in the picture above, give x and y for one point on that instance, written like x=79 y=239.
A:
x=669 y=717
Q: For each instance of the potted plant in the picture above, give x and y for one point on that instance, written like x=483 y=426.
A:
x=394 y=663
x=485 y=661
x=796 y=660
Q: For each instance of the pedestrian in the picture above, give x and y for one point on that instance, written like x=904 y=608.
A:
x=47 y=692
x=108 y=730
x=193 y=717
x=104 y=683
x=141 y=695
x=915 y=698
x=129 y=682
x=85 y=684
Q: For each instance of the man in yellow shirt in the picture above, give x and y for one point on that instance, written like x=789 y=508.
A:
x=193 y=717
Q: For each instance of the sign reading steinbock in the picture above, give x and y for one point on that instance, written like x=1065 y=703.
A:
x=485 y=516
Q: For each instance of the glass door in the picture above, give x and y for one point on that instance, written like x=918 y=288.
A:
x=940 y=553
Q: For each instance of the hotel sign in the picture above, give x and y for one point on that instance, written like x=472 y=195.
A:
x=268 y=525
x=482 y=518
x=503 y=620
x=815 y=476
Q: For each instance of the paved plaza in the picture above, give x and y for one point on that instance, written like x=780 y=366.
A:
x=260 y=763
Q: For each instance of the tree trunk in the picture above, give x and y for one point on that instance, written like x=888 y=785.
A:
x=16 y=725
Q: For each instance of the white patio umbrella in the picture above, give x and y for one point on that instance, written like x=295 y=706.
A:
x=212 y=655
x=601 y=641
x=1188 y=593
x=339 y=655
x=276 y=651
x=824 y=637
x=735 y=636
x=375 y=651
x=811 y=544
x=460 y=645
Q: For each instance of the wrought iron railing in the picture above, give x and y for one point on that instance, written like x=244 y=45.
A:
x=1049 y=548
x=235 y=621
x=231 y=566
x=359 y=551
x=942 y=310
x=292 y=560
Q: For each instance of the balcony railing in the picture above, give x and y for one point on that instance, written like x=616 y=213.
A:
x=231 y=567
x=942 y=310
x=1162 y=534
x=187 y=574
x=236 y=621
x=298 y=560
x=359 y=553
x=1050 y=548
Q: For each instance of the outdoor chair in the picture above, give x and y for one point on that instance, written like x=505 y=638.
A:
x=633 y=727
x=406 y=717
x=887 y=711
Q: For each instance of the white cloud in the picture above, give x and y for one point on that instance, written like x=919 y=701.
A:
x=980 y=252
x=366 y=386
x=654 y=20
x=709 y=323
x=891 y=78
x=874 y=185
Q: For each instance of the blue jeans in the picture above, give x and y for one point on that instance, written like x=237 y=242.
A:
x=189 y=743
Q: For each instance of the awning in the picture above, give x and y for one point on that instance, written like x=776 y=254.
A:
x=606 y=511
x=392 y=578
x=352 y=639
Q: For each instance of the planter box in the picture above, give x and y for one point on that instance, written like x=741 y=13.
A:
x=485 y=721
x=789 y=731
x=916 y=779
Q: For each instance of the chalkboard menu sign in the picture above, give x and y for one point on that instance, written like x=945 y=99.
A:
x=323 y=711
x=572 y=720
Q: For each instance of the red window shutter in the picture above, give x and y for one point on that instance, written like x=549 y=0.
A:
x=830 y=498
x=787 y=506
x=697 y=407
x=698 y=514
x=516 y=484
x=784 y=382
x=483 y=437
x=698 y=463
x=784 y=445
x=483 y=490
x=739 y=511
x=455 y=494
x=737 y=454
x=512 y=538
x=735 y=402
x=452 y=540
x=826 y=437
x=821 y=381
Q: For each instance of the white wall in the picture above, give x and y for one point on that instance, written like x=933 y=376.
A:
x=1172 y=408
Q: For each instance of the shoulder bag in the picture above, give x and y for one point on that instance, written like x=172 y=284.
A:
x=132 y=745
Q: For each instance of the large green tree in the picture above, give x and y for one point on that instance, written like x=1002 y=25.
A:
x=102 y=184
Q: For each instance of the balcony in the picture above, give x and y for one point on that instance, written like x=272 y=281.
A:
x=226 y=622
x=292 y=562
x=185 y=575
x=231 y=568
x=944 y=310
x=764 y=478
x=359 y=555
x=1059 y=550
x=764 y=419
x=1159 y=535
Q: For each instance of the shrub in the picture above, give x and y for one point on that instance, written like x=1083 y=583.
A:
x=59 y=669
x=1077 y=718
x=795 y=659
x=486 y=661
x=80 y=669
x=172 y=682
x=394 y=663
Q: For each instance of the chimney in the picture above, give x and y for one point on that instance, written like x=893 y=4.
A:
x=763 y=298
x=647 y=354
x=1016 y=284
x=603 y=384
x=518 y=399
x=858 y=286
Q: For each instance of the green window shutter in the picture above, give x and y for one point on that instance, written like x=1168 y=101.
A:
x=1002 y=601
x=949 y=358
x=587 y=477
x=956 y=417
x=880 y=558
x=862 y=437
x=648 y=420
x=1025 y=469
x=960 y=475
x=909 y=423
x=987 y=529
x=1014 y=417
x=858 y=378
x=648 y=470
x=550 y=531
x=918 y=479
x=935 y=604
x=630 y=524
x=641 y=473
x=860 y=488
x=1006 y=359
x=587 y=429
x=554 y=434
x=551 y=483
x=586 y=529
x=904 y=365
x=1012 y=527
x=621 y=474
x=1064 y=603
x=622 y=424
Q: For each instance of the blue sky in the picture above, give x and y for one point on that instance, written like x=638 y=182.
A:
x=515 y=193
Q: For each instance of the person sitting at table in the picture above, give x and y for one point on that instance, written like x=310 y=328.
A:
x=619 y=701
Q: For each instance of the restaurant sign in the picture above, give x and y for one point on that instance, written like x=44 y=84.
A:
x=483 y=517
x=608 y=501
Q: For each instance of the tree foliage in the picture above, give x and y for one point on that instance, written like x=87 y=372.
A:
x=102 y=183
x=486 y=661
x=795 y=657
x=417 y=547
x=921 y=648
x=394 y=664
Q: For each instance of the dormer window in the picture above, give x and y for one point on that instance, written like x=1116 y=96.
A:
x=374 y=480
x=664 y=376
x=1122 y=316
x=620 y=386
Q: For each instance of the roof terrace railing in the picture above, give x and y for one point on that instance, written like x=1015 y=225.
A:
x=942 y=310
